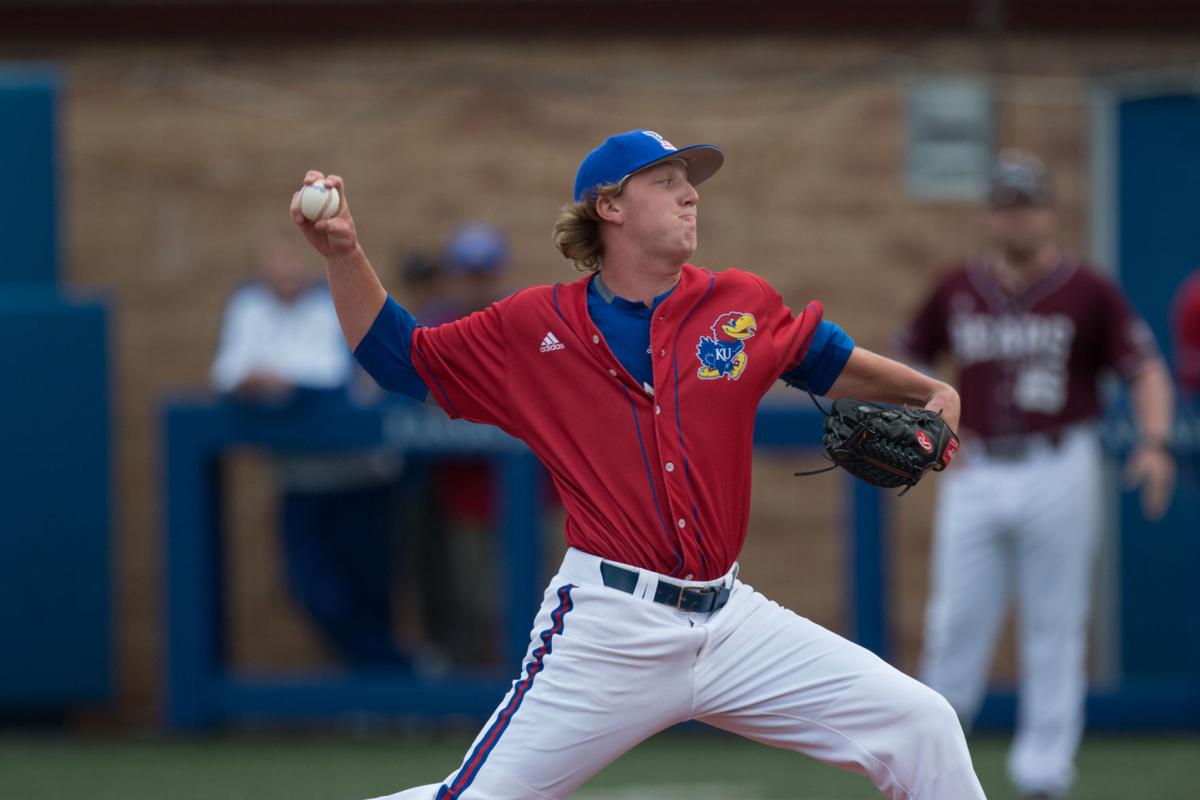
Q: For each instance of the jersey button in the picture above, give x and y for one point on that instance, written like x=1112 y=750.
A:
x=682 y=522
x=612 y=372
x=658 y=409
x=670 y=466
x=595 y=340
x=662 y=353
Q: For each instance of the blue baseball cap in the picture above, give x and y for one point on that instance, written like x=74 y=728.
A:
x=626 y=153
x=476 y=248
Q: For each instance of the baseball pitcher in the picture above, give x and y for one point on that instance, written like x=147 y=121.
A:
x=637 y=387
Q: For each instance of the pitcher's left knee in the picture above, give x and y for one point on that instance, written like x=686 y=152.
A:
x=907 y=738
x=934 y=719
x=936 y=763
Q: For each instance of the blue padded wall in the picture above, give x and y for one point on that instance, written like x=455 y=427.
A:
x=55 y=562
x=1159 y=179
x=29 y=142
x=54 y=513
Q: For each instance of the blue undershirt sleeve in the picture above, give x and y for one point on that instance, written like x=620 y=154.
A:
x=824 y=360
x=386 y=352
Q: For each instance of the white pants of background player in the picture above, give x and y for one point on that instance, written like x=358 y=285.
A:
x=1027 y=526
x=607 y=669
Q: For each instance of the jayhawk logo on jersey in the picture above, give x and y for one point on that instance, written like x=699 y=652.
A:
x=725 y=352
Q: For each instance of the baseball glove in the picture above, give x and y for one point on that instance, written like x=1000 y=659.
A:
x=886 y=446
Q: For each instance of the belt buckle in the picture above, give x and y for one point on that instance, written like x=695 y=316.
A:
x=1011 y=448
x=699 y=589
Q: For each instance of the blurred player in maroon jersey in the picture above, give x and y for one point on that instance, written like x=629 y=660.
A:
x=1185 y=328
x=1186 y=325
x=1030 y=330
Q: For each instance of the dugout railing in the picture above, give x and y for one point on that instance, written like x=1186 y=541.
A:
x=204 y=690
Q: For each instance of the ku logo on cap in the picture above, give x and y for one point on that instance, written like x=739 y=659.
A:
x=658 y=137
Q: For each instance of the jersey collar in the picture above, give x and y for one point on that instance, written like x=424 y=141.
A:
x=602 y=290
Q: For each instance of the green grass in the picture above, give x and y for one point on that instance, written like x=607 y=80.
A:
x=695 y=766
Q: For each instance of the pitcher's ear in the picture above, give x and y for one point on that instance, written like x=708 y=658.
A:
x=608 y=209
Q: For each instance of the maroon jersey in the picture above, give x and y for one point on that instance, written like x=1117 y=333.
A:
x=1028 y=362
x=657 y=478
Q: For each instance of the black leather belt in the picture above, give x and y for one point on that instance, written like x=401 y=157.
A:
x=1015 y=448
x=702 y=599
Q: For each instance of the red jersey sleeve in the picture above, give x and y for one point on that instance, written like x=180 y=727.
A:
x=790 y=334
x=1127 y=342
x=927 y=332
x=465 y=365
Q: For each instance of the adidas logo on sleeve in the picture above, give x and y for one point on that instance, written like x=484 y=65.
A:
x=551 y=342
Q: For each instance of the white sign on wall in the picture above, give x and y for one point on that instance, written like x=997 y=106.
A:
x=949 y=127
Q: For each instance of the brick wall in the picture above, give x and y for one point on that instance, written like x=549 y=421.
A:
x=180 y=159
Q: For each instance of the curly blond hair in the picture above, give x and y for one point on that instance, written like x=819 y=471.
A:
x=577 y=229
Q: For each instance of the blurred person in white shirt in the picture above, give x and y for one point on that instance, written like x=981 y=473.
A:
x=280 y=345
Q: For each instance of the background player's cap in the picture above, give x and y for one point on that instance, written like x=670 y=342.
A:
x=626 y=153
x=418 y=266
x=476 y=248
x=1019 y=179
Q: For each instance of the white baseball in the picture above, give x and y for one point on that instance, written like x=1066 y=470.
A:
x=319 y=202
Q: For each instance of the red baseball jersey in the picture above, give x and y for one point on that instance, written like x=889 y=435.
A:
x=1029 y=362
x=657 y=478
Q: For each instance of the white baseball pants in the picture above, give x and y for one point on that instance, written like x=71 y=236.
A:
x=606 y=670
x=1029 y=527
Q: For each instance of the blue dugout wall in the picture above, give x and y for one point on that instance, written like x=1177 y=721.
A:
x=1158 y=140
x=204 y=690
x=55 y=605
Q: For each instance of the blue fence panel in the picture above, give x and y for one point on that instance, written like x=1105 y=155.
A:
x=202 y=691
x=29 y=141
x=55 y=608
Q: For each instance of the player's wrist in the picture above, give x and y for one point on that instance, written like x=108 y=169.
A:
x=345 y=256
x=1156 y=444
x=945 y=400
